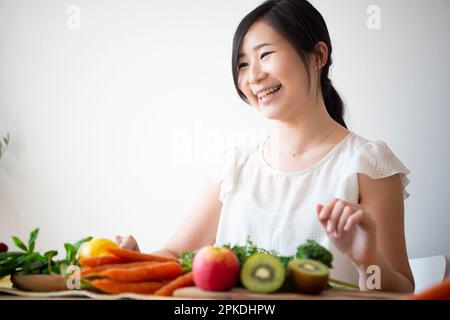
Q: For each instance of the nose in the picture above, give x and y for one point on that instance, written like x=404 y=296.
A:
x=256 y=74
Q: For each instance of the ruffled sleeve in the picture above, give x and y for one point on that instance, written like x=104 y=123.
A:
x=224 y=171
x=376 y=160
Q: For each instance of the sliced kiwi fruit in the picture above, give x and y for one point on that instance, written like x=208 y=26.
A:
x=262 y=273
x=308 y=276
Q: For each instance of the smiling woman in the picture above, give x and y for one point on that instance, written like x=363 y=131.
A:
x=312 y=178
x=281 y=42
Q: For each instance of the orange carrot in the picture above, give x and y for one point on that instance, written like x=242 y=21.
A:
x=182 y=281
x=440 y=291
x=113 y=287
x=134 y=256
x=100 y=260
x=87 y=272
x=157 y=271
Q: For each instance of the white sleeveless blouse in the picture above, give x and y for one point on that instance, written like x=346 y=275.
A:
x=277 y=209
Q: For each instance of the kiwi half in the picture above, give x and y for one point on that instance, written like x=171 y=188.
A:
x=308 y=276
x=262 y=273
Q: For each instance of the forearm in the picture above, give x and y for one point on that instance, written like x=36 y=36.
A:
x=166 y=253
x=390 y=279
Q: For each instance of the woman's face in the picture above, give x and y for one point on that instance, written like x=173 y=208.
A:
x=272 y=74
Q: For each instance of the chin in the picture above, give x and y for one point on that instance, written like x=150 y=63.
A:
x=273 y=112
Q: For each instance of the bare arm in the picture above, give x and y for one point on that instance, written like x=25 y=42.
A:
x=197 y=229
x=384 y=197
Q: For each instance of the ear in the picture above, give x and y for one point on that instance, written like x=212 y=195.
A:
x=321 y=54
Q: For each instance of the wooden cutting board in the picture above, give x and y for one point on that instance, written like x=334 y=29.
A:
x=243 y=294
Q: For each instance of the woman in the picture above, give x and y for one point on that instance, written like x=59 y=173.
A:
x=311 y=178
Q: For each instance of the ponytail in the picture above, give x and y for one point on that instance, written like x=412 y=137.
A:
x=333 y=101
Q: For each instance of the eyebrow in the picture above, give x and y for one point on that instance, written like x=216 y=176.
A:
x=259 y=46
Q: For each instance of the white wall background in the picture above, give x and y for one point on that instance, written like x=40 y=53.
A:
x=111 y=124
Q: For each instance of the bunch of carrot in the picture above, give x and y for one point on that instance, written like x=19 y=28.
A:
x=127 y=271
x=440 y=291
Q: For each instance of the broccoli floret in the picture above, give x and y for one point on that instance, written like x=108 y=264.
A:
x=314 y=251
x=186 y=259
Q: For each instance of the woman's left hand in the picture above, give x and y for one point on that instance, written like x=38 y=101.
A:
x=350 y=228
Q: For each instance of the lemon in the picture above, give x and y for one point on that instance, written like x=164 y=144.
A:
x=96 y=247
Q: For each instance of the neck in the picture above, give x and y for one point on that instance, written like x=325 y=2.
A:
x=304 y=130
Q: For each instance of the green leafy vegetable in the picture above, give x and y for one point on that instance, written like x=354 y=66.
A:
x=249 y=248
x=69 y=251
x=72 y=249
x=19 y=243
x=186 y=260
x=314 y=251
x=32 y=239
x=50 y=254
x=28 y=261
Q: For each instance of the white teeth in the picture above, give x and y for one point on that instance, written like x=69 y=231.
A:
x=268 y=91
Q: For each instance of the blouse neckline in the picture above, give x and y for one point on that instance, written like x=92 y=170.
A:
x=311 y=167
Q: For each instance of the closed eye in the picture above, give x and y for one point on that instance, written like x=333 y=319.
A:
x=242 y=65
x=266 y=54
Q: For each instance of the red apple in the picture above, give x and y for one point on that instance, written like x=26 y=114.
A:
x=215 y=269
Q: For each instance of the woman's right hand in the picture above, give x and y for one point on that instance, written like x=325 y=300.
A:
x=128 y=242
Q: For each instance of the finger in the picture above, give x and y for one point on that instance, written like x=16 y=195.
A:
x=319 y=208
x=354 y=219
x=130 y=243
x=335 y=215
x=325 y=212
x=348 y=210
x=119 y=240
x=136 y=246
x=127 y=243
x=323 y=222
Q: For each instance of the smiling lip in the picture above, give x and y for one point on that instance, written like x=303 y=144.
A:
x=261 y=91
x=267 y=100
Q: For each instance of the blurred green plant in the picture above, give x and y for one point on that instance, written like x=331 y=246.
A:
x=4 y=144
x=29 y=261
